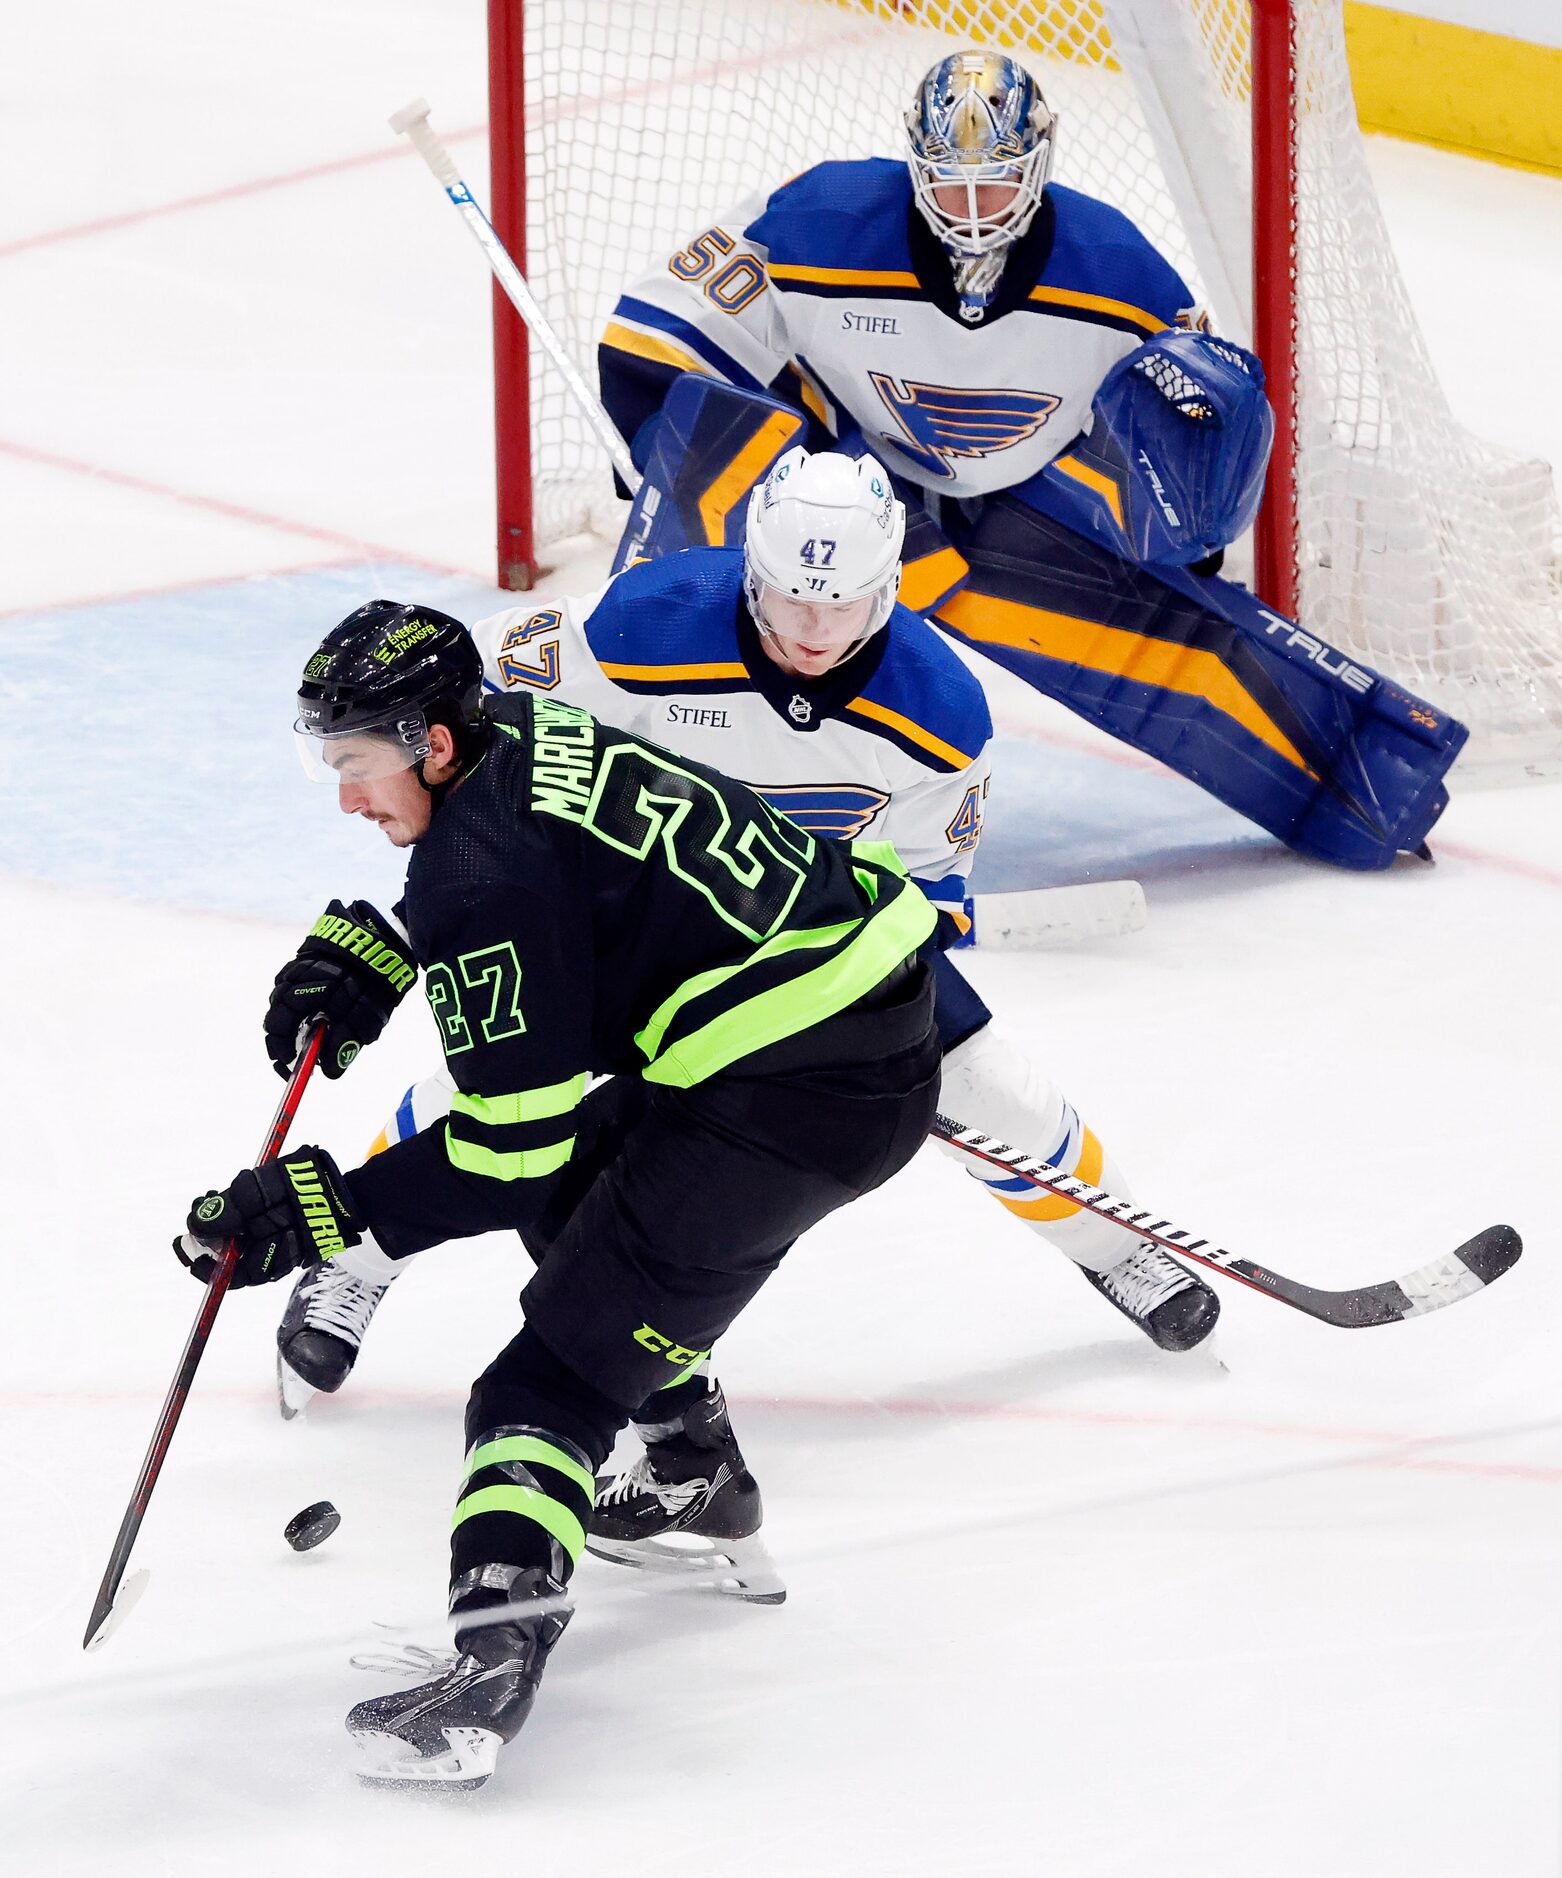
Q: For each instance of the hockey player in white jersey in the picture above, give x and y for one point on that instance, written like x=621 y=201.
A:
x=790 y=664
x=1074 y=449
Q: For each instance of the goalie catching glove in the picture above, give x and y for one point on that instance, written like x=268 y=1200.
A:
x=352 y=971
x=283 y=1215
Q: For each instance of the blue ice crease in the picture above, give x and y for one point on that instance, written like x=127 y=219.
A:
x=148 y=753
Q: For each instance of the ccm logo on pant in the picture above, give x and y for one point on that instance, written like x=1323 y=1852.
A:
x=678 y=1353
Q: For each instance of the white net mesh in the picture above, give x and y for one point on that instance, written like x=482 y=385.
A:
x=1425 y=551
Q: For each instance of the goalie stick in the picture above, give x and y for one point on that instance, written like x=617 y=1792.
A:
x=1445 y=1280
x=412 y=121
x=106 y=1618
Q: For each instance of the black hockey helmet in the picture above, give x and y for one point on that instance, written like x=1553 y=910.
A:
x=388 y=672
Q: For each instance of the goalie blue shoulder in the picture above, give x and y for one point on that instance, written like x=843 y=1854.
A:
x=840 y=218
x=840 y=228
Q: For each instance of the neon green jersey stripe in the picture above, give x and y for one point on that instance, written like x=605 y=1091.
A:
x=887 y=938
x=529 y=1448
x=683 y=1375
x=880 y=853
x=650 y=1039
x=528 y=1164
x=527 y=1504
x=529 y=1105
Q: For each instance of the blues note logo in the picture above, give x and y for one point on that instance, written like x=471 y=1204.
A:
x=839 y=811
x=941 y=422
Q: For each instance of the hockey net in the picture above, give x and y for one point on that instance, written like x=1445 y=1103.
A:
x=1421 y=549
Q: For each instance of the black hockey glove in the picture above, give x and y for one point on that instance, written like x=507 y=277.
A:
x=291 y=1211
x=352 y=970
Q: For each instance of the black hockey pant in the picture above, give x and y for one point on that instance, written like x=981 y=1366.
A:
x=680 y=1203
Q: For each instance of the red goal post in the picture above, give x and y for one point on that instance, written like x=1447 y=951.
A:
x=1225 y=128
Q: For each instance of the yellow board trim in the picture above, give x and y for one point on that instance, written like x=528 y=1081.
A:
x=734 y=670
x=648 y=346
x=1152 y=323
x=1121 y=653
x=1078 y=33
x=930 y=577
x=843 y=276
x=1095 y=479
x=882 y=714
x=734 y=482
x=1048 y=1208
x=1457 y=87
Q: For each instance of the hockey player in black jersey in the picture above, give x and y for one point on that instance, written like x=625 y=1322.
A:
x=579 y=902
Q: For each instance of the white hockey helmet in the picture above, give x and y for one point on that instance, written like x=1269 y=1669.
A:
x=825 y=532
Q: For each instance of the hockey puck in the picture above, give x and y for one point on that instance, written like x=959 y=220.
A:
x=312 y=1527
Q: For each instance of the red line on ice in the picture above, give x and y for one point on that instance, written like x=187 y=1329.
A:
x=552 y=111
x=129 y=218
x=216 y=505
x=1390 y=1448
x=1509 y=863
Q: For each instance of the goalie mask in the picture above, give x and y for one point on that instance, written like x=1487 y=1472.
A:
x=981 y=139
x=821 y=556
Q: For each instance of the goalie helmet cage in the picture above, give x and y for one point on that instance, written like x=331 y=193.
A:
x=1226 y=131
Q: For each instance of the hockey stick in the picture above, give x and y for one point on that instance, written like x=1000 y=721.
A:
x=412 y=121
x=1448 y=1278
x=1055 y=916
x=104 y=1618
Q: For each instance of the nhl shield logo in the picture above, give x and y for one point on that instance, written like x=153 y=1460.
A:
x=799 y=710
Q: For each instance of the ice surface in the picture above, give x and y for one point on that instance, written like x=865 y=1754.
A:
x=1058 y=1603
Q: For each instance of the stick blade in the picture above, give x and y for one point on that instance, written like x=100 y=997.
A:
x=1469 y=1268
x=1492 y=1252
x=1059 y=916
x=107 y=1620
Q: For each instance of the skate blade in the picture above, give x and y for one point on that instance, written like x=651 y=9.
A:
x=293 y=1394
x=741 y=1568
x=468 y=1761
x=1212 y=1351
x=1206 y=1358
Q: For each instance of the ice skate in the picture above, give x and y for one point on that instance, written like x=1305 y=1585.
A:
x=1174 y=1309
x=321 y=1332
x=446 y=1734
x=688 y=1506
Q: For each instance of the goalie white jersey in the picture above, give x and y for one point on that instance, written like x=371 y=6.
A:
x=834 y=294
x=892 y=744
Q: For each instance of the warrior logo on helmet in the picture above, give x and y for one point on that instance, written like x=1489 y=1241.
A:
x=382 y=677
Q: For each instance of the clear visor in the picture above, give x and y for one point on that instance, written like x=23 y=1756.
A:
x=363 y=754
x=820 y=625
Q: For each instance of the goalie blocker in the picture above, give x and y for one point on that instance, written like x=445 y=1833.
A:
x=1328 y=756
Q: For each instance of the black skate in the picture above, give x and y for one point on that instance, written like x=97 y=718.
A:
x=321 y=1332
x=446 y=1734
x=688 y=1505
x=1174 y=1309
